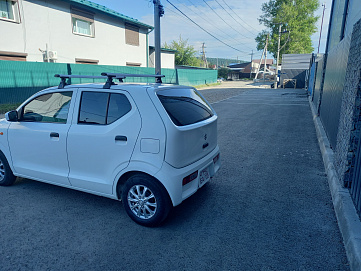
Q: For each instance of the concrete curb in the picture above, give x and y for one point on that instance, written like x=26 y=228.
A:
x=347 y=218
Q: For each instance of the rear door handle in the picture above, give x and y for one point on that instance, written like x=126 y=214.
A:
x=53 y=134
x=120 y=138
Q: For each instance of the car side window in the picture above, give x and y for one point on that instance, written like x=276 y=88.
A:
x=51 y=107
x=102 y=107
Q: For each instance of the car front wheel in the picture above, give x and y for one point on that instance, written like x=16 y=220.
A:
x=145 y=200
x=6 y=175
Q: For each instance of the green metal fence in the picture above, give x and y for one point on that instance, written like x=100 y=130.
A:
x=196 y=77
x=19 y=80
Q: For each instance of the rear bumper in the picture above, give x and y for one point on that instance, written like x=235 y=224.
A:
x=172 y=177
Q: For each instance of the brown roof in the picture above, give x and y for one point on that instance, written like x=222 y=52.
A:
x=269 y=61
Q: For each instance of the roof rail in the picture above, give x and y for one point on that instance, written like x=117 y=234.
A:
x=105 y=75
x=63 y=78
x=121 y=76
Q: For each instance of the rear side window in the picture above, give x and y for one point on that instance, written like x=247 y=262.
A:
x=102 y=107
x=184 y=106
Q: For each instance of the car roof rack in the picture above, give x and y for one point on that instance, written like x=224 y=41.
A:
x=105 y=75
x=121 y=76
x=63 y=78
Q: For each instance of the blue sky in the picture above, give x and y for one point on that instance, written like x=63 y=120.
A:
x=235 y=24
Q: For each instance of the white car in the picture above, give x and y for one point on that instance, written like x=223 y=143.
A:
x=149 y=145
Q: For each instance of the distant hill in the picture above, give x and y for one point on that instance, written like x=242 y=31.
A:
x=222 y=62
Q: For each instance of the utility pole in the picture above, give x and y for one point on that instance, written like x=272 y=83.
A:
x=265 y=59
x=158 y=12
x=252 y=56
x=250 y=74
x=279 y=49
x=278 y=54
x=260 y=62
x=204 y=59
x=319 y=40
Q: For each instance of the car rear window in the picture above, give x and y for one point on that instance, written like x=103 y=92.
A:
x=184 y=106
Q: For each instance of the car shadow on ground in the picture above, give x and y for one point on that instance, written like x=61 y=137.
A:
x=66 y=200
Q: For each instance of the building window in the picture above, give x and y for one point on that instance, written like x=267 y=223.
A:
x=131 y=64
x=131 y=34
x=82 y=22
x=13 y=56
x=86 y=61
x=9 y=10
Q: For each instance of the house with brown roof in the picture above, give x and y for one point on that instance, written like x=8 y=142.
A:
x=248 y=69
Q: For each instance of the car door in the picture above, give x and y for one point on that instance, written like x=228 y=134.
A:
x=101 y=139
x=38 y=140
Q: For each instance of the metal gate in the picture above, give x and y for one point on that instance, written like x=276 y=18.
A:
x=311 y=78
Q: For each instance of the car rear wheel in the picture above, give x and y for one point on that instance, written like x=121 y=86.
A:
x=6 y=175
x=145 y=200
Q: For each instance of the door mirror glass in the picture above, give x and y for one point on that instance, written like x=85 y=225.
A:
x=12 y=115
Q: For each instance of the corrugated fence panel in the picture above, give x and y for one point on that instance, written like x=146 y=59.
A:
x=333 y=87
x=318 y=81
x=311 y=78
x=19 y=80
x=197 y=77
x=81 y=69
x=296 y=61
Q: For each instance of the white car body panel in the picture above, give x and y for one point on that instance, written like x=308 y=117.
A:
x=95 y=157
x=87 y=157
x=186 y=144
x=4 y=145
x=35 y=154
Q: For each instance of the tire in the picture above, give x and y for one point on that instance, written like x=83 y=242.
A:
x=145 y=200
x=7 y=177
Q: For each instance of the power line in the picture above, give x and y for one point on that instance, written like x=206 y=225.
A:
x=225 y=21
x=204 y=29
x=238 y=16
x=209 y=22
x=185 y=20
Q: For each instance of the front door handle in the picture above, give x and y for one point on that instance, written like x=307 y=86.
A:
x=120 y=138
x=53 y=134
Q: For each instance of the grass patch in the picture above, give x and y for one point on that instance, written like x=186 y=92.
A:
x=8 y=107
x=207 y=85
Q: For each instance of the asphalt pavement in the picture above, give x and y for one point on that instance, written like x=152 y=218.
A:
x=268 y=208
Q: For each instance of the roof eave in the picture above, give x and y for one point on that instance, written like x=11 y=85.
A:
x=103 y=9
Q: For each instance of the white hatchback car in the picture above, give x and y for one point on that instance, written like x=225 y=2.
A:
x=149 y=145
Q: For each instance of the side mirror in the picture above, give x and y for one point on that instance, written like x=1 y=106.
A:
x=12 y=116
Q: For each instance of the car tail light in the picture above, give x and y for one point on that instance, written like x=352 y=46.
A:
x=190 y=178
x=215 y=159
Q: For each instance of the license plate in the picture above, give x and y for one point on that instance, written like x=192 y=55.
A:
x=204 y=177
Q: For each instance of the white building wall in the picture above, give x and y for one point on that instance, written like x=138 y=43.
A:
x=167 y=59
x=49 y=22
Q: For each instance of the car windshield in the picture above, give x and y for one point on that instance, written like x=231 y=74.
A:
x=184 y=106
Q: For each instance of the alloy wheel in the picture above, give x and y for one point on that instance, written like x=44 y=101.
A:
x=2 y=170
x=142 y=201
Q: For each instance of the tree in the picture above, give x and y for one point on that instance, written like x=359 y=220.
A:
x=297 y=16
x=223 y=73
x=185 y=54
